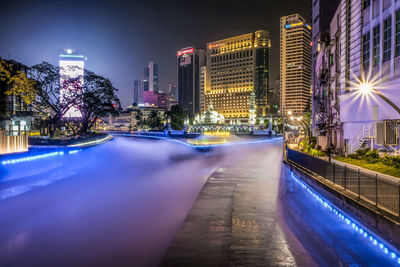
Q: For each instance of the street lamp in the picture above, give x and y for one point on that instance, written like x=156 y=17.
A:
x=367 y=88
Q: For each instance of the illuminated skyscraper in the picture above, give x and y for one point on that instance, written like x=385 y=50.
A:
x=189 y=62
x=295 y=65
x=138 y=91
x=237 y=67
x=203 y=77
x=150 y=80
x=71 y=80
x=172 y=95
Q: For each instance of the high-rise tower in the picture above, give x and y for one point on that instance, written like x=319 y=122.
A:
x=138 y=91
x=189 y=63
x=237 y=67
x=295 y=65
x=150 y=81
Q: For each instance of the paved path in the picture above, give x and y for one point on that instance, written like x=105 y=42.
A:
x=236 y=220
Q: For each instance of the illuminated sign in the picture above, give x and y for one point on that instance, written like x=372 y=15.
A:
x=287 y=26
x=184 y=52
x=211 y=46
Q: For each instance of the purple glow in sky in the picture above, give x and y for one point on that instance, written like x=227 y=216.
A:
x=120 y=37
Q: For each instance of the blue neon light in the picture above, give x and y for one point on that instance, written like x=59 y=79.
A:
x=13 y=161
x=358 y=229
x=42 y=156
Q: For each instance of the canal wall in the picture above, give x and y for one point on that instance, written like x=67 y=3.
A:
x=378 y=220
x=83 y=141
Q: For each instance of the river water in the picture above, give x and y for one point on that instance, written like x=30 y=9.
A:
x=121 y=203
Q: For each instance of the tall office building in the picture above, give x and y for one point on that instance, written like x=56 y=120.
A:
x=189 y=62
x=295 y=65
x=150 y=81
x=237 y=67
x=203 y=77
x=172 y=95
x=71 y=80
x=138 y=91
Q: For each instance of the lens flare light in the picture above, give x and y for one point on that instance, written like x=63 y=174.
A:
x=365 y=88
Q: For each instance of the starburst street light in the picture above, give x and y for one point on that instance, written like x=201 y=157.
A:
x=365 y=88
x=368 y=88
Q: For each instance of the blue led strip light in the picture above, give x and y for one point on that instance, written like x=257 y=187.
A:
x=349 y=221
x=31 y=158
x=13 y=161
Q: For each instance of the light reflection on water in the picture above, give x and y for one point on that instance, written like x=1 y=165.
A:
x=125 y=200
x=131 y=194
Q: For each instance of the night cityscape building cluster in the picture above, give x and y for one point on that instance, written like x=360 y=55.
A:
x=219 y=151
x=323 y=65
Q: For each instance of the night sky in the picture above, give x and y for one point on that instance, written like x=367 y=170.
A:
x=120 y=37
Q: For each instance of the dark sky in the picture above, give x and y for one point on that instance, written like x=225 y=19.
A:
x=120 y=37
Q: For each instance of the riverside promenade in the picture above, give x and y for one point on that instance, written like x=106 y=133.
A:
x=237 y=218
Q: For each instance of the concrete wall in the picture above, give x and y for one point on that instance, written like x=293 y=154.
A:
x=380 y=222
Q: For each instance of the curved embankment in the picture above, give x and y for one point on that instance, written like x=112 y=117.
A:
x=84 y=141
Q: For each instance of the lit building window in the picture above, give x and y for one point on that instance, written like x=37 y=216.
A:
x=376 y=45
x=397 y=52
x=366 y=53
x=387 y=38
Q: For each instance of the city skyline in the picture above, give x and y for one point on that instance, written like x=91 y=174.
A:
x=174 y=133
x=118 y=47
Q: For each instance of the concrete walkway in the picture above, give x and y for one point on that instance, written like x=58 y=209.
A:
x=236 y=220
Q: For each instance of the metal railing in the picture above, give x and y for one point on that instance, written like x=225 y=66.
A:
x=380 y=191
x=367 y=130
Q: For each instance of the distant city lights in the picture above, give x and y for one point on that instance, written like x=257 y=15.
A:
x=217 y=133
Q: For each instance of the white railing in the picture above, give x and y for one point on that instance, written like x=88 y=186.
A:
x=367 y=131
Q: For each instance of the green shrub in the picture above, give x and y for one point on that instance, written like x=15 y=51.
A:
x=313 y=141
x=316 y=153
x=371 y=156
x=360 y=154
x=391 y=161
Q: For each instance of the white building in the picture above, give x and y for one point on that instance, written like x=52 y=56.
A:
x=370 y=73
x=71 y=80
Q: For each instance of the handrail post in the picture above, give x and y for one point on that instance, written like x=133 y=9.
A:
x=376 y=189
x=334 y=173
x=345 y=178
x=398 y=196
x=359 y=191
